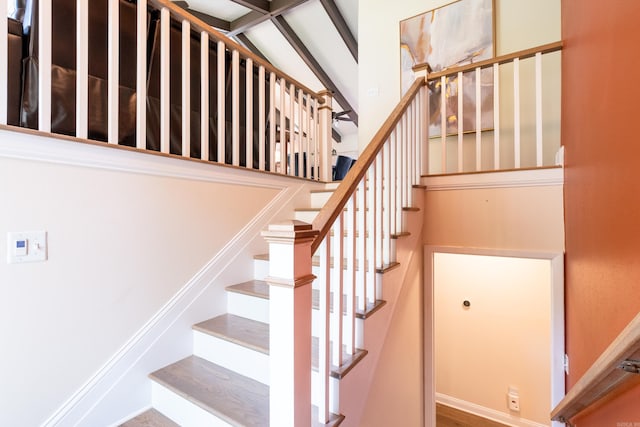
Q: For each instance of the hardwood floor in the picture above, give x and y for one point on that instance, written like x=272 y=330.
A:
x=447 y=416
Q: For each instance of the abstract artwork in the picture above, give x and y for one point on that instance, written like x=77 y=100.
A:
x=453 y=35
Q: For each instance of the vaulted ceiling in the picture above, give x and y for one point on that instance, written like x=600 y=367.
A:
x=314 y=41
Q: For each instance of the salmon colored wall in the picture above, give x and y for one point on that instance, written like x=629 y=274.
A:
x=600 y=130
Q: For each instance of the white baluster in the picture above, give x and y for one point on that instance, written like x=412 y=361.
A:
x=114 y=70
x=235 y=107
x=4 y=61
x=221 y=102
x=539 y=159
x=361 y=290
x=460 y=122
x=478 y=119
x=373 y=208
x=388 y=154
x=324 y=371
x=300 y=138
x=443 y=122
x=248 y=129
x=337 y=287
x=44 y=66
x=309 y=149
x=261 y=118
x=82 y=68
x=141 y=73
x=380 y=210
x=516 y=113
x=350 y=277
x=186 y=88
x=272 y=122
x=204 y=95
x=283 y=127
x=165 y=82
x=496 y=116
x=292 y=130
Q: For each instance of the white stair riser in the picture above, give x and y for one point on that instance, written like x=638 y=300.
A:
x=305 y=216
x=243 y=360
x=318 y=200
x=181 y=410
x=247 y=306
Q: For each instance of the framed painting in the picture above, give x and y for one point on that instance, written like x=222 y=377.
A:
x=457 y=34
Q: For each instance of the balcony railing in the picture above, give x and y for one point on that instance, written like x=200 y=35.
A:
x=516 y=123
x=147 y=74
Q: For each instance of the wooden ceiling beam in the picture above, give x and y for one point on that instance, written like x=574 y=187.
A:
x=262 y=6
x=313 y=64
x=244 y=40
x=217 y=23
x=276 y=8
x=342 y=27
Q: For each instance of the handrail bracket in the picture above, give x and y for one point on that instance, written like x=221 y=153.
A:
x=630 y=366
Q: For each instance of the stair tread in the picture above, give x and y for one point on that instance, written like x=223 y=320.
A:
x=254 y=288
x=349 y=361
x=239 y=330
x=234 y=398
x=150 y=418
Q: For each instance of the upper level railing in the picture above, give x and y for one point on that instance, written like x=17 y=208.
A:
x=614 y=369
x=147 y=74
x=516 y=123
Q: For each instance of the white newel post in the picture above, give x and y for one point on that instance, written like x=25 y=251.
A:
x=326 y=144
x=290 y=281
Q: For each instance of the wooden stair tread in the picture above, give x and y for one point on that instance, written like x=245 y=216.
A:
x=349 y=361
x=411 y=209
x=239 y=330
x=150 y=418
x=400 y=234
x=254 y=288
x=234 y=398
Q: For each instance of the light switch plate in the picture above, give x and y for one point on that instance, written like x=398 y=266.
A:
x=26 y=246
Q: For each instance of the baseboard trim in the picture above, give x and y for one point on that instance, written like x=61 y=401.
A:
x=490 y=414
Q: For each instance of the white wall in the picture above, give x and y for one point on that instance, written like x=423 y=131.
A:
x=502 y=340
x=126 y=232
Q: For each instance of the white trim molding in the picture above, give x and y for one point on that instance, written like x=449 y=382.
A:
x=490 y=414
x=540 y=177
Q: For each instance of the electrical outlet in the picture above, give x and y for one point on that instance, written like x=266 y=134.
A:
x=513 y=399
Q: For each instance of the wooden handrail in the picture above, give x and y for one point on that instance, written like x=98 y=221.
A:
x=504 y=59
x=339 y=198
x=605 y=376
x=218 y=36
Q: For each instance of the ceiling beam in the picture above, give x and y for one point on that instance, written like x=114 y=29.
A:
x=336 y=135
x=276 y=7
x=220 y=24
x=261 y=6
x=342 y=27
x=244 y=40
x=313 y=64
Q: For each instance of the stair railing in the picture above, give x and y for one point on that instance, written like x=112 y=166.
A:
x=616 y=368
x=515 y=131
x=356 y=228
x=286 y=136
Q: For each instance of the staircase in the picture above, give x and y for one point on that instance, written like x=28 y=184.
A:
x=226 y=380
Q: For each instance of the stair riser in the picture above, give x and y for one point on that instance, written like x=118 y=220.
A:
x=181 y=410
x=305 y=216
x=248 y=306
x=318 y=200
x=243 y=360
